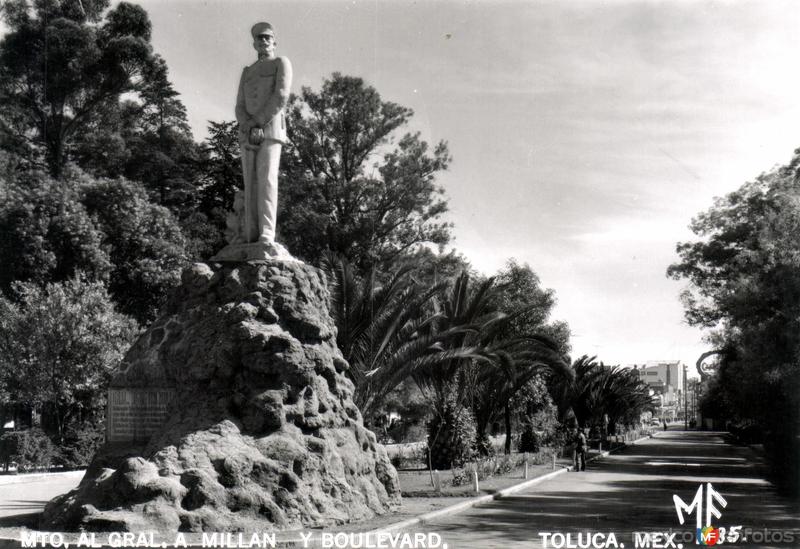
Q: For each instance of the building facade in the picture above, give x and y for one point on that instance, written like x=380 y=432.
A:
x=666 y=379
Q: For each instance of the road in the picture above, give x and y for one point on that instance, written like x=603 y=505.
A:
x=632 y=492
x=28 y=494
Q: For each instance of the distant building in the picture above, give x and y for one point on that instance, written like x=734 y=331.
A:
x=665 y=378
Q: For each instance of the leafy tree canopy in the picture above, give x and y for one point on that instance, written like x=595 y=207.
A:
x=58 y=344
x=519 y=292
x=335 y=200
x=106 y=229
x=62 y=67
x=48 y=235
x=145 y=243
x=743 y=268
x=744 y=283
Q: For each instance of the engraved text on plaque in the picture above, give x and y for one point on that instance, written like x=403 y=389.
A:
x=135 y=414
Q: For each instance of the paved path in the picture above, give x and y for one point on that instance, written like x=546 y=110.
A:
x=631 y=492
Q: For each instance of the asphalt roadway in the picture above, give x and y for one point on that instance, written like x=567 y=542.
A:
x=23 y=496
x=630 y=492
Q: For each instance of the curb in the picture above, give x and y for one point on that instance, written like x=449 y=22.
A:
x=458 y=507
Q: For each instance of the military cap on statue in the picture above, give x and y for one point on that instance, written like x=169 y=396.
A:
x=261 y=28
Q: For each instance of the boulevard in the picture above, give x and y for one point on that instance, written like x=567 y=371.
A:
x=621 y=494
x=632 y=491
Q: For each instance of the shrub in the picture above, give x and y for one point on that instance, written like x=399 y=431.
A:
x=451 y=435
x=29 y=449
x=559 y=438
x=79 y=446
x=484 y=446
x=529 y=440
x=487 y=468
x=415 y=432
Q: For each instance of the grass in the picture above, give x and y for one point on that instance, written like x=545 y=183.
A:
x=494 y=474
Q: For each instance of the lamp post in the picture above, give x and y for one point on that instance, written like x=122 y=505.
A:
x=685 y=401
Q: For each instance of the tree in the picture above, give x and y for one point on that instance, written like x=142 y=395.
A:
x=332 y=201
x=63 y=66
x=145 y=243
x=383 y=330
x=221 y=169
x=465 y=310
x=519 y=292
x=163 y=155
x=107 y=230
x=430 y=268
x=597 y=390
x=744 y=285
x=522 y=346
x=58 y=345
x=48 y=235
x=538 y=416
x=514 y=362
x=219 y=175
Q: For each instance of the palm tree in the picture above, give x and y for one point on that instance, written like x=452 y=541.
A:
x=513 y=363
x=466 y=316
x=626 y=396
x=384 y=329
x=597 y=390
x=483 y=378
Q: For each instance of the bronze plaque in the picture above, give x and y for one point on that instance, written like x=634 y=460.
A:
x=135 y=414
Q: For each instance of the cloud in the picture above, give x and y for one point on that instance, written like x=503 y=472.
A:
x=621 y=230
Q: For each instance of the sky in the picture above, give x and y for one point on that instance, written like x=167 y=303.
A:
x=585 y=135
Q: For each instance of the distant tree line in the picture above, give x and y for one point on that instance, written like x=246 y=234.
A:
x=105 y=197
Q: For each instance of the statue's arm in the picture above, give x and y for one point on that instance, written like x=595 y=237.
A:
x=279 y=99
x=241 y=110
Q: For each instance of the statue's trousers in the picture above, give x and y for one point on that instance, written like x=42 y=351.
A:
x=260 y=166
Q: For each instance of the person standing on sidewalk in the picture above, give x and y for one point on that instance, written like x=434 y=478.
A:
x=579 y=455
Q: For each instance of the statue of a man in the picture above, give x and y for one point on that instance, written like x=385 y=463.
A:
x=263 y=93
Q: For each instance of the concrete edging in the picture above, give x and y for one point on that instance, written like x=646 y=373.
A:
x=458 y=507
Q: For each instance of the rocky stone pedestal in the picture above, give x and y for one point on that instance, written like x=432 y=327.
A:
x=259 y=430
x=253 y=251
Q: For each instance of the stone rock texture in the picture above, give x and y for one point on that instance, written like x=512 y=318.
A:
x=262 y=431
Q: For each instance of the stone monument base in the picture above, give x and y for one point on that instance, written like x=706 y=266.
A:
x=254 y=251
x=233 y=412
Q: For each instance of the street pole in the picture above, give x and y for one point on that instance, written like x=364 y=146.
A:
x=685 y=401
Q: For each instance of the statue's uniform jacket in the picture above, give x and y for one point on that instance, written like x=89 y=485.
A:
x=263 y=93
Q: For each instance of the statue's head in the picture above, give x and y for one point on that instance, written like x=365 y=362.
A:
x=264 y=39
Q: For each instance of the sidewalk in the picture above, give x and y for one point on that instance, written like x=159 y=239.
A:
x=36 y=477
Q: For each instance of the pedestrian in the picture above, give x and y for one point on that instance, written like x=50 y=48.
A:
x=579 y=455
x=665 y=424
